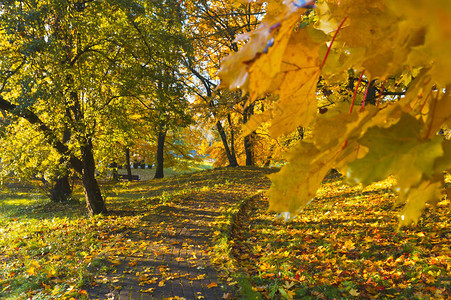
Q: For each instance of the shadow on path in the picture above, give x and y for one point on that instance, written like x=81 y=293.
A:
x=166 y=255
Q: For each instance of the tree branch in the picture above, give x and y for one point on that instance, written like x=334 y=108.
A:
x=50 y=136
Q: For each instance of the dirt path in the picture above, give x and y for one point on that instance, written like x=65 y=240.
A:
x=166 y=255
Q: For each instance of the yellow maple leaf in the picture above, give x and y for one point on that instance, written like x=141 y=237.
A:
x=31 y=271
x=349 y=245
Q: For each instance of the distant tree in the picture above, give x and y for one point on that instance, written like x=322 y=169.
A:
x=212 y=28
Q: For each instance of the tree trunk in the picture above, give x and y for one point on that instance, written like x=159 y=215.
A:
x=159 y=170
x=232 y=137
x=61 y=190
x=249 y=139
x=232 y=158
x=94 y=200
x=115 y=176
x=85 y=166
x=301 y=132
x=208 y=87
x=269 y=158
x=127 y=164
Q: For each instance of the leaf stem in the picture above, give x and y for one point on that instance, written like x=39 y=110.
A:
x=353 y=100
x=362 y=108
x=331 y=42
x=355 y=91
x=425 y=100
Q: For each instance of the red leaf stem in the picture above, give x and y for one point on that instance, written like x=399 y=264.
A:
x=355 y=91
x=353 y=100
x=364 y=97
x=333 y=39
x=425 y=100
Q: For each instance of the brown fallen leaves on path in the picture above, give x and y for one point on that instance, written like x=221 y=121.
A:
x=165 y=254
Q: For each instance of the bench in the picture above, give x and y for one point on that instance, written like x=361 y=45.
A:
x=125 y=177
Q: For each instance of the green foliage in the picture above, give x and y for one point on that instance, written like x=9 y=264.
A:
x=82 y=72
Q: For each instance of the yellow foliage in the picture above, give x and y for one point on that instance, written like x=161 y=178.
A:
x=406 y=40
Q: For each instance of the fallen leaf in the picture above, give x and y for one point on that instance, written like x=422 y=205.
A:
x=212 y=285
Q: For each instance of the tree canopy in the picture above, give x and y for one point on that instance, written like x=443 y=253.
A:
x=356 y=85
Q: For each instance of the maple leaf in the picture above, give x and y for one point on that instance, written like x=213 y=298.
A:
x=275 y=28
x=295 y=84
x=416 y=199
x=438 y=115
x=296 y=184
x=349 y=245
x=398 y=150
x=132 y=263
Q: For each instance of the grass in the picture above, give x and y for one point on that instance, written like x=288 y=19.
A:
x=223 y=246
x=185 y=167
x=344 y=245
x=53 y=251
x=47 y=249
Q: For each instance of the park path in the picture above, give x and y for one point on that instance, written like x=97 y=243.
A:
x=167 y=254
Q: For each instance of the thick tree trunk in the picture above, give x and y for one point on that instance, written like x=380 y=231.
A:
x=301 y=132
x=248 y=142
x=61 y=189
x=85 y=166
x=232 y=158
x=114 y=174
x=269 y=158
x=159 y=170
x=94 y=200
x=127 y=164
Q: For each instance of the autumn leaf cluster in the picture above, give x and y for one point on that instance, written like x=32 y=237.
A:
x=301 y=43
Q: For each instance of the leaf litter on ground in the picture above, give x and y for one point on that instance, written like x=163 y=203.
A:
x=345 y=245
x=50 y=250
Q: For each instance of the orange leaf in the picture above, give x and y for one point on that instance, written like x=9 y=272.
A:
x=212 y=285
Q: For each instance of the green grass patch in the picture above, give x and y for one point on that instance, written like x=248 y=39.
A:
x=222 y=252
x=46 y=247
x=54 y=251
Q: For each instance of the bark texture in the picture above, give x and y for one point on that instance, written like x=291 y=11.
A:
x=159 y=170
x=230 y=156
